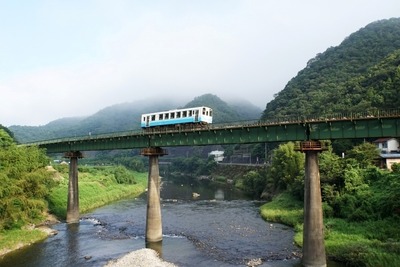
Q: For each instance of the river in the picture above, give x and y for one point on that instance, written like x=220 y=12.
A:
x=219 y=228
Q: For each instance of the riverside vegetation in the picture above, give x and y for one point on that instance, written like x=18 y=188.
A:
x=361 y=203
x=30 y=191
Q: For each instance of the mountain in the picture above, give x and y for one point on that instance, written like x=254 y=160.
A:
x=361 y=73
x=224 y=112
x=126 y=117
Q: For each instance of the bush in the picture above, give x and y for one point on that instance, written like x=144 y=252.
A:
x=25 y=184
x=123 y=176
x=254 y=183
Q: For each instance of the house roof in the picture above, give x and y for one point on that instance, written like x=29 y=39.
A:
x=391 y=156
x=381 y=140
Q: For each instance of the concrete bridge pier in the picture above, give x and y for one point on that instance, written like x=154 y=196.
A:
x=73 y=190
x=313 y=229
x=153 y=217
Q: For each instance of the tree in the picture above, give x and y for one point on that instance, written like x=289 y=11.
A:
x=24 y=184
x=5 y=139
x=287 y=167
x=331 y=168
x=365 y=154
x=254 y=183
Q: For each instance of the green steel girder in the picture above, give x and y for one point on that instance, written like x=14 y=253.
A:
x=94 y=144
x=231 y=135
x=356 y=129
x=254 y=133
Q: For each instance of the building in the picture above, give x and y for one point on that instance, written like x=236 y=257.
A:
x=218 y=155
x=389 y=151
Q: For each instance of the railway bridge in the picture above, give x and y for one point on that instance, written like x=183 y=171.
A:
x=309 y=132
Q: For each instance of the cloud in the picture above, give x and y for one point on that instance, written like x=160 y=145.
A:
x=102 y=53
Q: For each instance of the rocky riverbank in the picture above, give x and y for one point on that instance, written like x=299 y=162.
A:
x=140 y=258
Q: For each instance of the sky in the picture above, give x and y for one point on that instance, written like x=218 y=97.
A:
x=72 y=58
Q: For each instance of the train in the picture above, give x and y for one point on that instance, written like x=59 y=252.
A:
x=193 y=116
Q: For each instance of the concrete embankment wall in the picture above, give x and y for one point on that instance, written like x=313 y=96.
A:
x=233 y=172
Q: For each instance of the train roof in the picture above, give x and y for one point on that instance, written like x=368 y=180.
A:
x=173 y=110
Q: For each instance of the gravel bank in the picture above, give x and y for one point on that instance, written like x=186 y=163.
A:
x=140 y=258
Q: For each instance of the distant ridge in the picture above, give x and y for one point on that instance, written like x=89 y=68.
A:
x=126 y=117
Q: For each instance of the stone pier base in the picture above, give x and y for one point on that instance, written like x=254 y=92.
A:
x=153 y=217
x=73 y=190
x=313 y=229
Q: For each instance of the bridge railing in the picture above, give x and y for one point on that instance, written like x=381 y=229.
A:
x=332 y=117
x=249 y=123
x=313 y=118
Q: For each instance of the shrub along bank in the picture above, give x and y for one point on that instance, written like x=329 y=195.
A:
x=361 y=203
x=368 y=243
x=97 y=186
x=30 y=190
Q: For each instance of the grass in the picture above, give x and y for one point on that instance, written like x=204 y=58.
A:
x=17 y=238
x=370 y=243
x=97 y=187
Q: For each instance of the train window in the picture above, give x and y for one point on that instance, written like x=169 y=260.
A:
x=166 y=116
x=153 y=117
x=172 y=115
x=210 y=112
x=161 y=116
x=178 y=114
x=184 y=114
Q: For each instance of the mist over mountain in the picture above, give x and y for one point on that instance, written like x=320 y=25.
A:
x=362 y=73
x=126 y=117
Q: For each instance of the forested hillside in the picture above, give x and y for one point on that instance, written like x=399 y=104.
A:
x=362 y=72
x=24 y=183
x=126 y=117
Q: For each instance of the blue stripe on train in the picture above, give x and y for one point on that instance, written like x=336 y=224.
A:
x=168 y=122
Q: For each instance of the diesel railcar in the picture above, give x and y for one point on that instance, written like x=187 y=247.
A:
x=197 y=115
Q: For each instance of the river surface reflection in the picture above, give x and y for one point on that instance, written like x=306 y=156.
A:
x=218 y=228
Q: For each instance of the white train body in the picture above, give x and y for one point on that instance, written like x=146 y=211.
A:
x=197 y=115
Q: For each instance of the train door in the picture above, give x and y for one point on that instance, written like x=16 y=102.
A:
x=147 y=121
x=196 y=117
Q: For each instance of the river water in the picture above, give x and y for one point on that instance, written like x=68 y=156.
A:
x=219 y=228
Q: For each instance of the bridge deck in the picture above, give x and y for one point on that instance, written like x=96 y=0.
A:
x=371 y=124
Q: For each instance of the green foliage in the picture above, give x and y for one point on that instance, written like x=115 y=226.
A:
x=368 y=243
x=365 y=154
x=127 y=158
x=396 y=168
x=359 y=74
x=193 y=166
x=284 y=208
x=13 y=239
x=126 y=117
x=331 y=169
x=287 y=169
x=97 y=186
x=5 y=138
x=254 y=182
x=222 y=111
x=24 y=184
x=123 y=176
